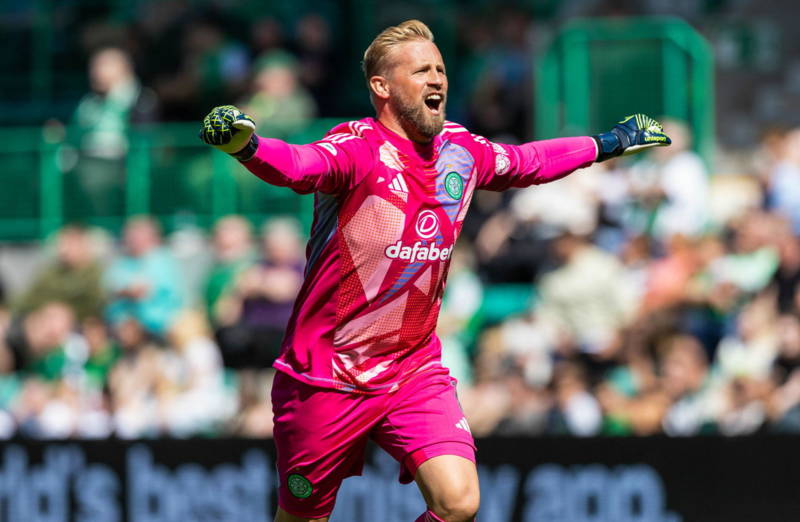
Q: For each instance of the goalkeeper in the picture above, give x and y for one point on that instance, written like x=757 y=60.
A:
x=360 y=359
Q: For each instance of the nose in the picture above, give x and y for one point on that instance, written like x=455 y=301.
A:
x=436 y=78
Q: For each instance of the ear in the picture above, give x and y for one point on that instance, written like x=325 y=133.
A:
x=379 y=86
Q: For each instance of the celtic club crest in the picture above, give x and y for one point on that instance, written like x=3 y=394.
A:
x=299 y=486
x=454 y=185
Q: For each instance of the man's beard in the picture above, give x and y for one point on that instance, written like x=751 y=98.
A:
x=415 y=116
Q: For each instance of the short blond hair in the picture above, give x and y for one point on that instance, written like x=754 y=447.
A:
x=375 y=56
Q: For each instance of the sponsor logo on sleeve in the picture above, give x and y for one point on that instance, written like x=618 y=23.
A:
x=501 y=161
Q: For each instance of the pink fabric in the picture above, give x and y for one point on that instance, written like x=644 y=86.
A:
x=303 y=168
x=321 y=434
x=550 y=160
x=414 y=460
x=387 y=214
x=429 y=516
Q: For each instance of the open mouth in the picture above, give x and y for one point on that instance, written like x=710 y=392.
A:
x=434 y=102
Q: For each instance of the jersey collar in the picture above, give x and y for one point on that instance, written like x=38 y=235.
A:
x=426 y=153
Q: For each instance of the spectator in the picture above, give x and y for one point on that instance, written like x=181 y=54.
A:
x=488 y=401
x=630 y=395
x=575 y=410
x=73 y=278
x=254 y=316
x=280 y=105
x=279 y=102
x=57 y=399
x=44 y=342
x=133 y=381
x=588 y=298
x=510 y=248
x=10 y=381
x=752 y=263
x=686 y=381
x=144 y=282
x=671 y=188
x=784 y=403
x=744 y=410
x=752 y=350
x=784 y=180
x=254 y=418
x=103 y=354
x=29 y=407
x=191 y=393
x=528 y=407
x=571 y=204
x=787 y=275
x=102 y=119
x=232 y=243
x=669 y=278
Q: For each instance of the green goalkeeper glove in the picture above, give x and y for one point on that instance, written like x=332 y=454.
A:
x=231 y=131
x=631 y=135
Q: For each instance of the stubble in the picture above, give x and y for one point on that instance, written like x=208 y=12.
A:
x=415 y=116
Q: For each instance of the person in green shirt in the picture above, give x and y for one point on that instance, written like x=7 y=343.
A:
x=103 y=353
x=233 y=253
x=100 y=130
x=74 y=277
x=279 y=102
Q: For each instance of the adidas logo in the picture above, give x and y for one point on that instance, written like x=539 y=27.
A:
x=398 y=184
x=462 y=424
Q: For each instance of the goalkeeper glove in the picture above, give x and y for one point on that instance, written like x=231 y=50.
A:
x=632 y=134
x=231 y=131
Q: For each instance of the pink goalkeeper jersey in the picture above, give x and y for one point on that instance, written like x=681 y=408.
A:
x=387 y=214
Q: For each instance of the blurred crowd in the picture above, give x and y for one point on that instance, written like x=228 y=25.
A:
x=635 y=298
x=173 y=61
x=106 y=341
x=665 y=300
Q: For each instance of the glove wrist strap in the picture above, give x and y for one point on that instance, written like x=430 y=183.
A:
x=248 y=151
x=608 y=146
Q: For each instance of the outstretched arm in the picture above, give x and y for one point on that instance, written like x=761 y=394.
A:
x=540 y=162
x=303 y=168
x=327 y=166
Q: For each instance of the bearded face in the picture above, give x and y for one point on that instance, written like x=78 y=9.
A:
x=418 y=89
x=425 y=115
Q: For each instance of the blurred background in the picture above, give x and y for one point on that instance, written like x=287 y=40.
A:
x=145 y=280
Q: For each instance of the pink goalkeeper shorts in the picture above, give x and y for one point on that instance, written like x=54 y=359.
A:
x=321 y=435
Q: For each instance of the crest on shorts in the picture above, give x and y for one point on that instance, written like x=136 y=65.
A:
x=299 y=486
x=454 y=185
